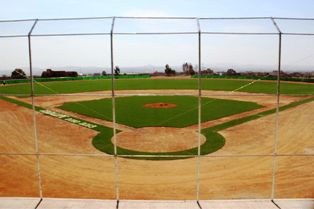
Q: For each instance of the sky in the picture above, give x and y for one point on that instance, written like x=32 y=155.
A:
x=18 y=9
x=153 y=52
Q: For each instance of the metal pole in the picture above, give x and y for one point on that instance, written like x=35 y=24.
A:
x=199 y=113
x=275 y=154
x=114 y=111
x=34 y=110
x=277 y=123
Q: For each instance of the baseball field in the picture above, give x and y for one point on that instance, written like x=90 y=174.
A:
x=157 y=139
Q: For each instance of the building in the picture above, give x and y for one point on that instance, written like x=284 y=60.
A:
x=52 y=73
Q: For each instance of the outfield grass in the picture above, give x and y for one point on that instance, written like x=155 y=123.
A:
x=145 y=84
x=131 y=111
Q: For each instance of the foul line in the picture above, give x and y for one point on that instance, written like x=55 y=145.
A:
x=213 y=100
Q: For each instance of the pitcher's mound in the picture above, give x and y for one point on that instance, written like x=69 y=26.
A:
x=159 y=139
x=160 y=105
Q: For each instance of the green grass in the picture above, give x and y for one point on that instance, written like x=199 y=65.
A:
x=145 y=84
x=131 y=111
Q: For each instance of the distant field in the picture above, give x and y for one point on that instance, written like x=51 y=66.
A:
x=131 y=111
x=145 y=84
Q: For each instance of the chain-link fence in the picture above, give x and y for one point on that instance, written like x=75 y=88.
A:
x=230 y=116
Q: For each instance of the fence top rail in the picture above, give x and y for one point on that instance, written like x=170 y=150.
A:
x=17 y=20
x=234 y=18
x=156 y=17
x=170 y=33
x=198 y=29
x=239 y=33
x=292 y=18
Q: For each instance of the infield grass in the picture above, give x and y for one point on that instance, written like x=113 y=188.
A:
x=131 y=111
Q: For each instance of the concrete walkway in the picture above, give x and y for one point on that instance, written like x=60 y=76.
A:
x=56 y=203
x=15 y=203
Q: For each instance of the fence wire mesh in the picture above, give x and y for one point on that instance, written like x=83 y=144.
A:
x=149 y=169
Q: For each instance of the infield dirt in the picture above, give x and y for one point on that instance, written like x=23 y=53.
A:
x=159 y=139
x=220 y=176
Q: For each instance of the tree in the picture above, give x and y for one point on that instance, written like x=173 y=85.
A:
x=18 y=74
x=210 y=71
x=231 y=72
x=188 y=69
x=307 y=75
x=169 y=71
x=185 y=67
x=103 y=73
x=47 y=73
x=117 y=70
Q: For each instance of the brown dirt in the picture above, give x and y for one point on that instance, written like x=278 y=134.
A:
x=236 y=177
x=295 y=177
x=57 y=136
x=160 y=105
x=54 y=135
x=158 y=139
x=257 y=136
x=78 y=176
x=18 y=176
x=16 y=129
x=93 y=177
